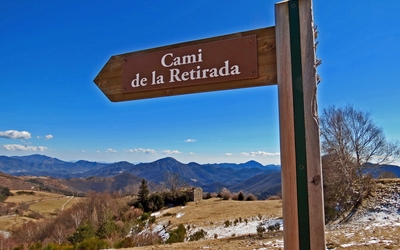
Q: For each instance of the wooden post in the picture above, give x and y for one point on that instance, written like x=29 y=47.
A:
x=303 y=210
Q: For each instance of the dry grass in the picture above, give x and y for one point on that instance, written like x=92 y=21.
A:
x=49 y=206
x=234 y=243
x=43 y=203
x=9 y=222
x=29 y=198
x=350 y=237
x=216 y=210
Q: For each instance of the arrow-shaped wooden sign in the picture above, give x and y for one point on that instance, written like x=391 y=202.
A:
x=240 y=60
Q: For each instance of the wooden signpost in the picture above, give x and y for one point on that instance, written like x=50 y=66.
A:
x=282 y=55
x=240 y=60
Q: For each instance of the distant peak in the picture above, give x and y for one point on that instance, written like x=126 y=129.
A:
x=167 y=159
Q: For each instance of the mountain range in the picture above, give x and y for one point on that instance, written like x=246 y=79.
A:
x=82 y=176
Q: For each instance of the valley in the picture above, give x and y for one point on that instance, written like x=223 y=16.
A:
x=225 y=224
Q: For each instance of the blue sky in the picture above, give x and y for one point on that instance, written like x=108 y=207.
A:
x=50 y=52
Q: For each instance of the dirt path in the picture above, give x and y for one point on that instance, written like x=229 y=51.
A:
x=62 y=207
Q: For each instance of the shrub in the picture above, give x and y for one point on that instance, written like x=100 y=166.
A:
x=124 y=243
x=83 y=232
x=225 y=194
x=251 y=197
x=260 y=230
x=240 y=196
x=4 y=193
x=235 y=196
x=177 y=235
x=227 y=223
x=198 y=235
x=19 y=211
x=152 y=219
x=25 y=192
x=176 y=198
x=207 y=196
x=140 y=240
x=107 y=228
x=145 y=216
x=273 y=197
x=214 y=195
x=36 y=246
x=34 y=215
x=139 y=206
x=92 y=244
x=275 y=227
x=169 y=214
x=155 y=202
x=132 y=214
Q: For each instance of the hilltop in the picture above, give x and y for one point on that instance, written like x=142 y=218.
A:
x=124 y=177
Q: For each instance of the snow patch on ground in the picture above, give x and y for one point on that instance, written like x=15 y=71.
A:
x=5 y=234
x=381 y=211
x=178 y=215
x=240 y=229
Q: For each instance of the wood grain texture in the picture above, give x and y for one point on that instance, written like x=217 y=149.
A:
x=314 y=170
x=287 y=131
x=109 y=79
x=286 y=120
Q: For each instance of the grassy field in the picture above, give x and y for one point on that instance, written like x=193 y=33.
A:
x=38 y=195
x=43 y=203
x=216 y=210
x=49 y=206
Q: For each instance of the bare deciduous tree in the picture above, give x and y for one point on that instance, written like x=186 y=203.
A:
x=173 y=182
x=77 y=216
x=59 y=235
x=351 y=144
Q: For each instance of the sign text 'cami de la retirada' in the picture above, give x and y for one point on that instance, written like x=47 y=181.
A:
x=219 y=61
x=225 y=62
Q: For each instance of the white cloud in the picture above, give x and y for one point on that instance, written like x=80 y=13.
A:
x=141 y=150
x=259 y=153
x=110 y=150
x=191 y=153
x=190 y=140
x=228 y=154
x=14 y=134
x=48 y=137
x=170 y=152
x=18 y=147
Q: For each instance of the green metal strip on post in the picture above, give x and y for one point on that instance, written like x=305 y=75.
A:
x=299 y=126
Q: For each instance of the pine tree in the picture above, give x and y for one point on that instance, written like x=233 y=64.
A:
x=143 y=193
x=240 y=196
